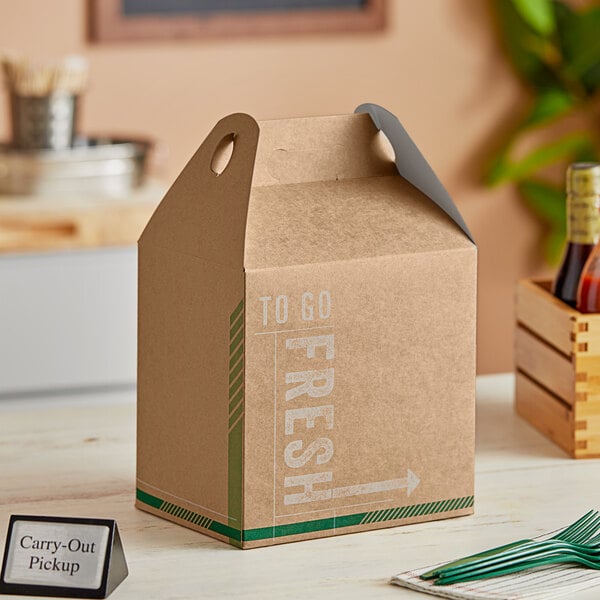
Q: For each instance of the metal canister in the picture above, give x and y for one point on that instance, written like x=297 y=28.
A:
x=43 y=122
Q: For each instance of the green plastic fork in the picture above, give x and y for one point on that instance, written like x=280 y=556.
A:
x=578 y=532
x=590 y=548
x=521 y=564
x=531 y=551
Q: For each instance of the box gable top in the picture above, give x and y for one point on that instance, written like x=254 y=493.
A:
x=307 y=190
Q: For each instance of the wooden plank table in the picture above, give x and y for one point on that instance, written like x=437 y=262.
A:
x=75 y=456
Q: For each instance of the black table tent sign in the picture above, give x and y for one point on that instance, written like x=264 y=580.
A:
x=62 y=556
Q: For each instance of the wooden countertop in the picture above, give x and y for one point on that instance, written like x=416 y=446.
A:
x=40 y=223
x=76 y=457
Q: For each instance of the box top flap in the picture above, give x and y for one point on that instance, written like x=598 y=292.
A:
x=306 y=190
x=411 y=164
x=204 y=212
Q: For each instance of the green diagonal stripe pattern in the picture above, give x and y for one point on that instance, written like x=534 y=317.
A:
x=235 y=415
x=234 y=342
x=235 y=446
x=250 y=535
x=234 y=315
x=417 y=510
x=236 y=370
x=187 y=515
x=236 y=400
x=233 y=388
x=236 y=356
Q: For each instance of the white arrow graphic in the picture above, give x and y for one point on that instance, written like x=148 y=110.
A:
x=410 y=482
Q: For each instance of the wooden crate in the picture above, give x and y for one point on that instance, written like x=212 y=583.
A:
x=557 y=358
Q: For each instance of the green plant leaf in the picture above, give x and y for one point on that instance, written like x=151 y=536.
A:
x=527 y=49
x=555 y=48
x=549 y=105
x=546 y=200
x=504 y=169
x=497 y=169
x=579 y=35
x=586 y=154
x=538 y=14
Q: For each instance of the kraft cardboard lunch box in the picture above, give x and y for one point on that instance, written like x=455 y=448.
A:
x=306 y=360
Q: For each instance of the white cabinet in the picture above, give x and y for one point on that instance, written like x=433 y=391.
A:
x=68 y=320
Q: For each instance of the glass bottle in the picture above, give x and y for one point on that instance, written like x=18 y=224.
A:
x=588 y=293
x=583 y=228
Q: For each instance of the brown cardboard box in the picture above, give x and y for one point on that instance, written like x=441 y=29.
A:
x=306 y=336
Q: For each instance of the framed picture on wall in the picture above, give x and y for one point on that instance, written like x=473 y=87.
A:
x=129 y=20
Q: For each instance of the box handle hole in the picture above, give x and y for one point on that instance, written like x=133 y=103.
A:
x=222 y=154
x=384 y=146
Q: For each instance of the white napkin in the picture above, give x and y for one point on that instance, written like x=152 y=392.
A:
x=541 y=583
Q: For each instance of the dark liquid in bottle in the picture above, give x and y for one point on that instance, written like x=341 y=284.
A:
x=567 y=280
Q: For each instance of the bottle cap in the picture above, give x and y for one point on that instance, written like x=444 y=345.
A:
x=583 y=179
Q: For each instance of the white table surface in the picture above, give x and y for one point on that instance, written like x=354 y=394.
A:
x=75 y=456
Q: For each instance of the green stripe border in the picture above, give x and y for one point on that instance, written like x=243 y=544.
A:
x=235 y=444
x=262 y=533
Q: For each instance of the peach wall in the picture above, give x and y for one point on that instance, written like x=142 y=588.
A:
x=437 y=66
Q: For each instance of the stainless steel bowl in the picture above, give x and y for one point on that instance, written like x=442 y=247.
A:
x=99 y=166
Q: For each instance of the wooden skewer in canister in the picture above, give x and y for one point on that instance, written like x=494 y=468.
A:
x=26 y=78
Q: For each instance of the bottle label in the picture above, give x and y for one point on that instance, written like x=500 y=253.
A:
x=583 y=219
